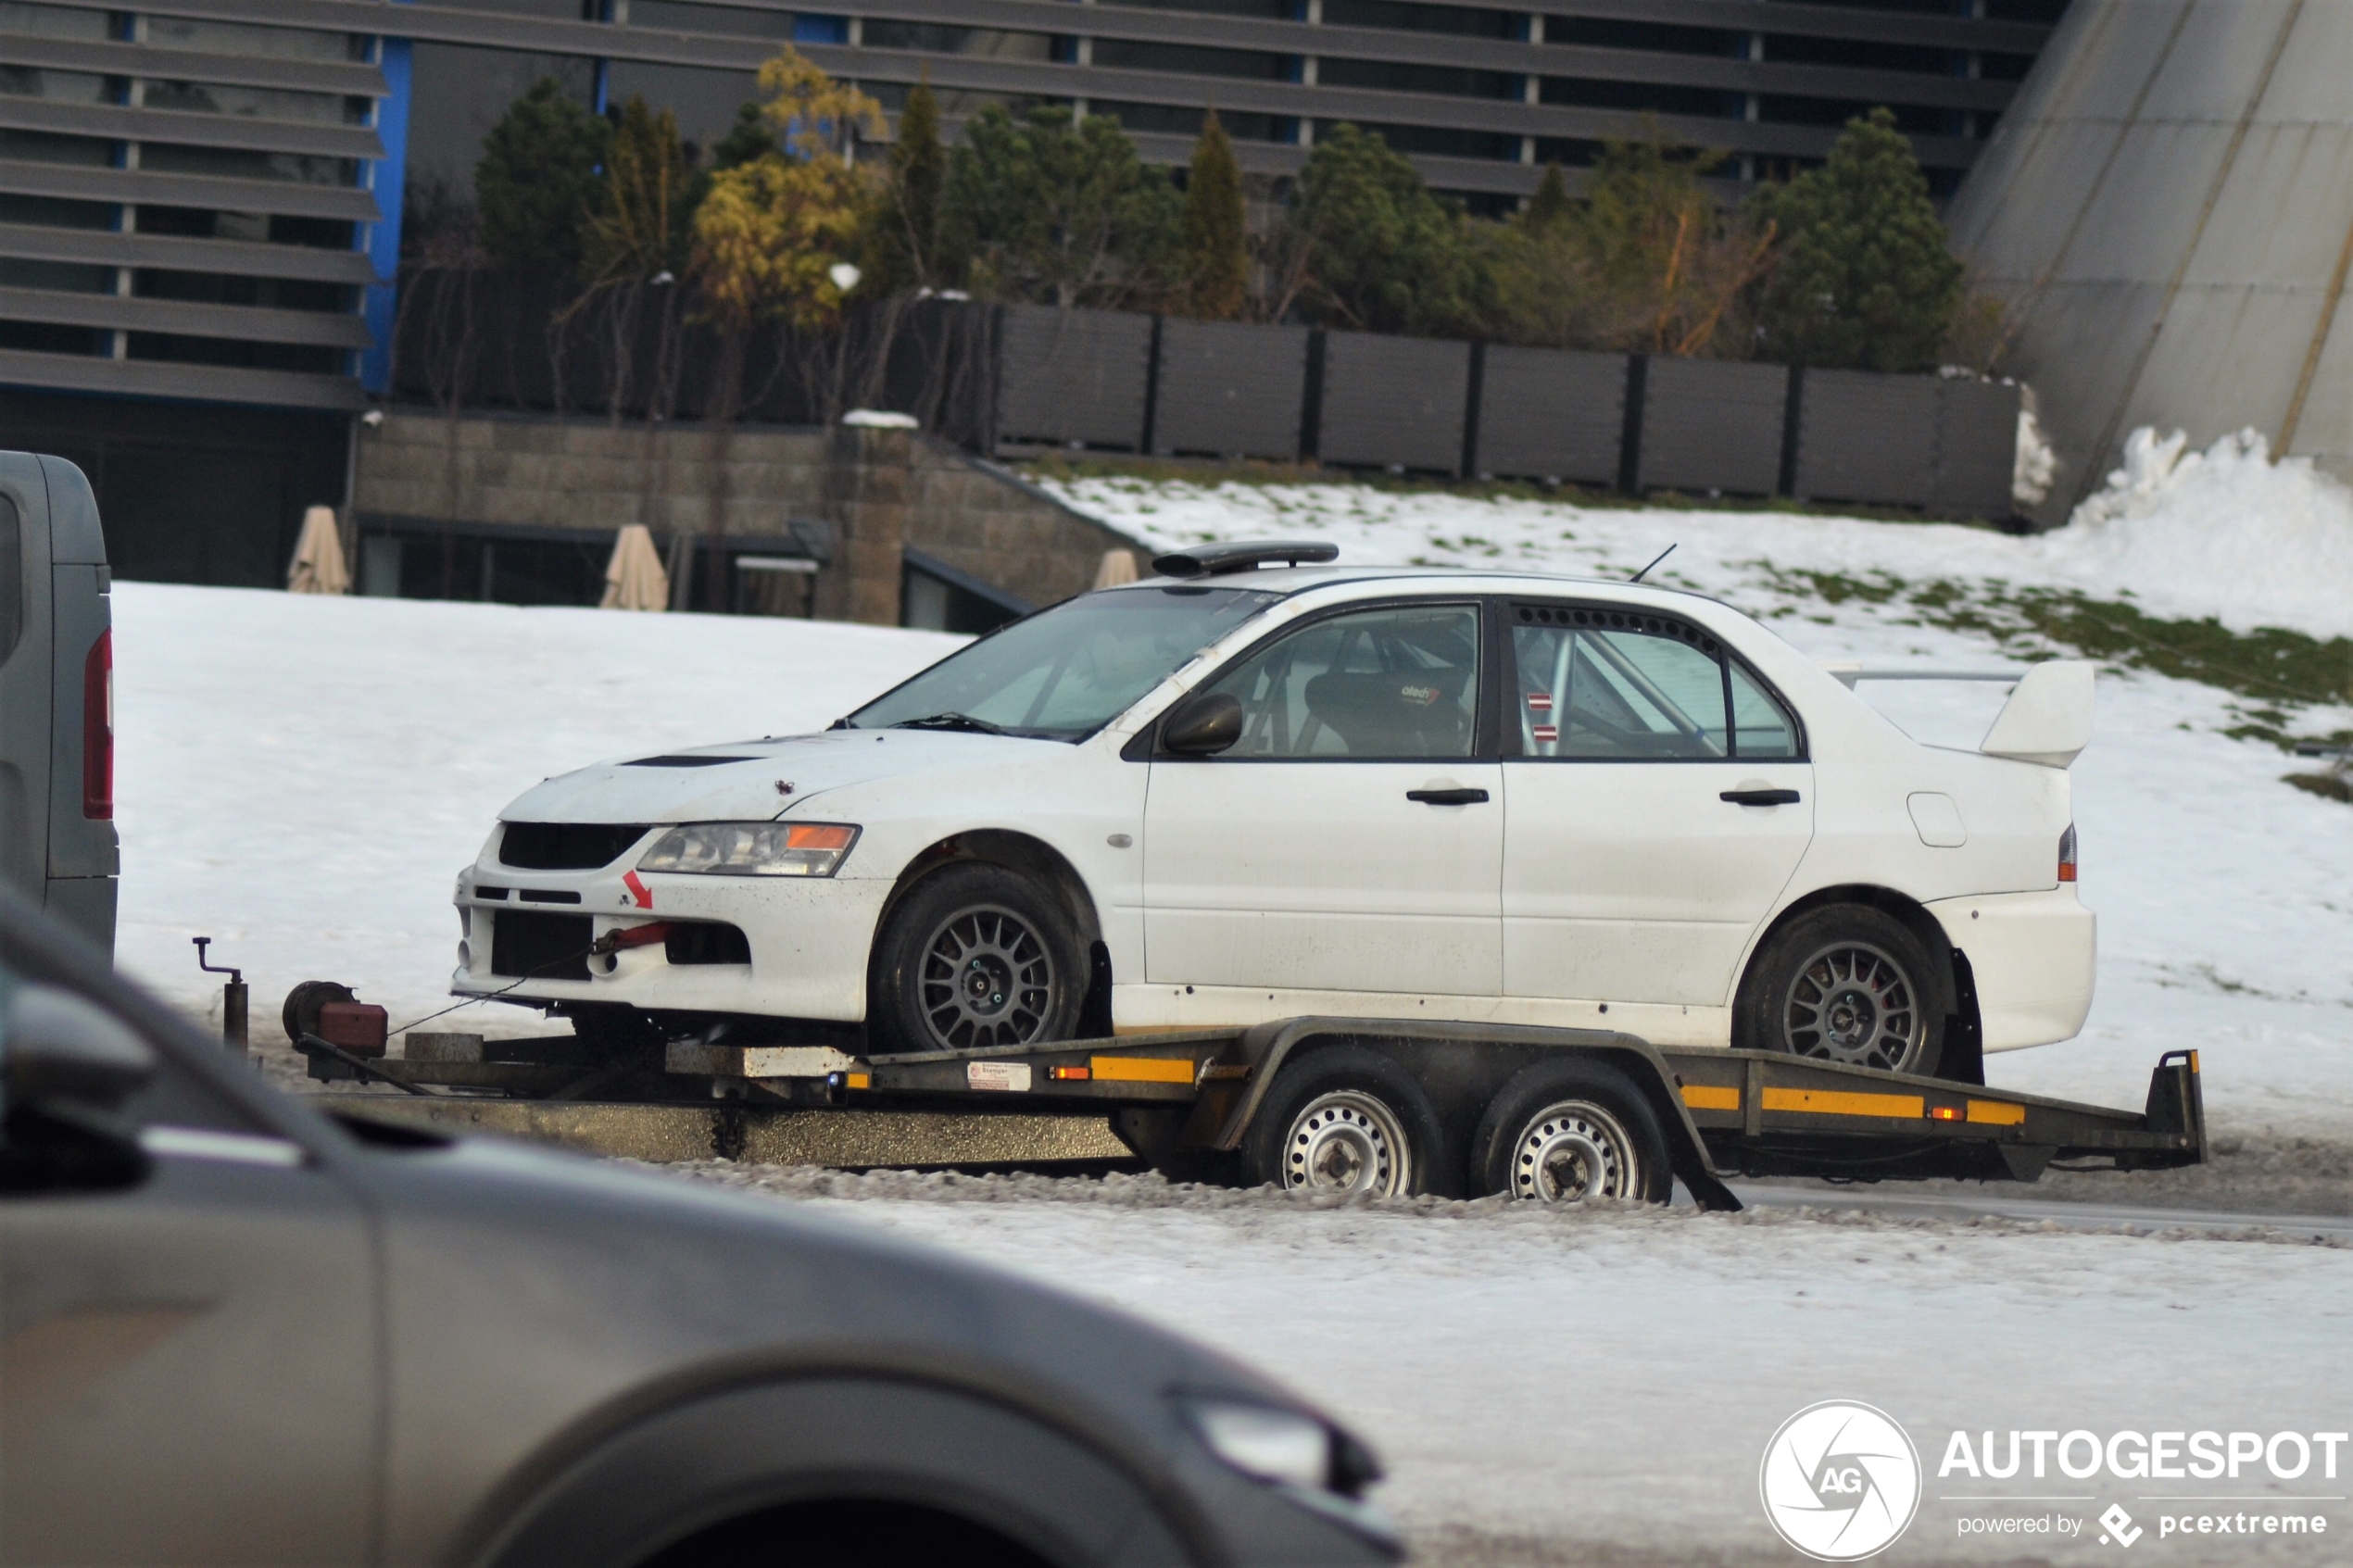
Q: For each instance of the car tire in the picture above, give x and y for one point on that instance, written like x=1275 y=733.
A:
x=1564 y=1131
x=1344 y=1119
x=1845 y=984
x=976 y=957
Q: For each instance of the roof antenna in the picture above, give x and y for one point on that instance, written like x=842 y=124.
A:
x=1655 y=560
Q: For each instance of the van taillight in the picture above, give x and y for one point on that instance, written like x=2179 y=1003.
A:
x=2067 y=854
x=97 y=729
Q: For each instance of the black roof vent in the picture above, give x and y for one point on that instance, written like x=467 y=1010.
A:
x=1216 y=560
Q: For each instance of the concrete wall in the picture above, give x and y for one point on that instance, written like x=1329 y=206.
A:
x=882 y=491
x=2167 y=211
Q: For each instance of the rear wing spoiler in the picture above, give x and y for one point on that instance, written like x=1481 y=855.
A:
x=2047 y=720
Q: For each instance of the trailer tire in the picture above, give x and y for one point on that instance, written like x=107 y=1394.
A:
x=1564 y=1131
x=1846 y=983
x=1342 y=1119
x=976 y=957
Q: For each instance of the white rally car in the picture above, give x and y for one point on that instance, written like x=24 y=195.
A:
x=1240 y=790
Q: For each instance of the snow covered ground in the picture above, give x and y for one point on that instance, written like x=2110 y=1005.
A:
x=1598 y=1387
x=301 y=778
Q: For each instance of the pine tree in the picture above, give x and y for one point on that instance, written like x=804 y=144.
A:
x=1059 y=211
x=748 y=140
x=1216 y=259
x=1549 y=209
x=1868 y=279
x=538 y=180
x=903 y=252
x=1383 y=254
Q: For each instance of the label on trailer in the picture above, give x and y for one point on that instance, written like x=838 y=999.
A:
x=1013 y=1075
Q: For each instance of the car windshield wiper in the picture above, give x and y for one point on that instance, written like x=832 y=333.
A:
x=952 y=722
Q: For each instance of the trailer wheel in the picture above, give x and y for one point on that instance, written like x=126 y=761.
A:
x=1562 y=1132
x=1844 y=984
x=976 y=957
x=1345 y=1120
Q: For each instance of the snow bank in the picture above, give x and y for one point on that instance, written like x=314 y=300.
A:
x=2226 y=533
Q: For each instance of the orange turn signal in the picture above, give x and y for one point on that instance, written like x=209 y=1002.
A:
x=818 y=835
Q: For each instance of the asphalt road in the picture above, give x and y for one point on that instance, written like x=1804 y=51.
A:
x=1894 y=1200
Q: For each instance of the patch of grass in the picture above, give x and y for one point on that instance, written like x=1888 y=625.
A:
x=2279 y=669
x=1059 y=466
x=2329 y=785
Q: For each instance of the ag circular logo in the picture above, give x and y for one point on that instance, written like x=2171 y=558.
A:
x=1840 y=1481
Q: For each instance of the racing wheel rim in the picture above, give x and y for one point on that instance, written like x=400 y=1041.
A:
x=986 y=981
x=1347 y=1141
x=1854 y=1003
x=1571 y=1151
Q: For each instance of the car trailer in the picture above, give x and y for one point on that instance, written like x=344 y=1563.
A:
x=1349 y=1105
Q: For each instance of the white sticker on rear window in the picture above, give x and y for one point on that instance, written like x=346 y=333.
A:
x=1013 y=1075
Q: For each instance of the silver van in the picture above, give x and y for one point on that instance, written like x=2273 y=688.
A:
x=57 y=695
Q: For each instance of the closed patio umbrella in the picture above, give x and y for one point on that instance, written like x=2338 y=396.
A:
x=634 y=578
x=318 y=566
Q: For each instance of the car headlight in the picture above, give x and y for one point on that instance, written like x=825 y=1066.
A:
x=1268 y=1442
x=751 y=849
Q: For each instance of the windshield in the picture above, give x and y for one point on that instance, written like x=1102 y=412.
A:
x=1066 y=672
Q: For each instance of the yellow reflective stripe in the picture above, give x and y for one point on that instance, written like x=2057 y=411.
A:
x=1999 y=1113
x=862 y=1080
x=1143 y=1069
x=1711 y=1097
x=1836 y=1102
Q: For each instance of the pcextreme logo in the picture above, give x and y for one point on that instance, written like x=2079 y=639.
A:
x=1840 y=1481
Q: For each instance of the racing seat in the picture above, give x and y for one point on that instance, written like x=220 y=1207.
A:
x=1400 y=713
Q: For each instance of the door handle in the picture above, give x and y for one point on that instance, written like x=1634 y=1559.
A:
x=1760 y=796
x=1448 y=796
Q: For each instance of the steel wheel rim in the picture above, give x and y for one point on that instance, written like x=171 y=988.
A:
x=1854 y=1003
x=985 y=982
x=1569 y=1152
x=1347 y=1141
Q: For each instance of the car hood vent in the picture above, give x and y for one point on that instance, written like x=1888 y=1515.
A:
x=685 y=761
x=566 y=847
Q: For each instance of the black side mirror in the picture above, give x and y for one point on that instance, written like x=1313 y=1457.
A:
x=67 y=1066
x=1203 y=724
x=57 y=1049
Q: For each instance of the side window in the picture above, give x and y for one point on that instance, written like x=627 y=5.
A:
x=1601 y=686
x=1397 y=683
x=1761 y=726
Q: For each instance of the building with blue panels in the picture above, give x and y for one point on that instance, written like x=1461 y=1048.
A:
x=200 y=207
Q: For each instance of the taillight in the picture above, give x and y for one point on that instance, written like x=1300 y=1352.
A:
x=97 y=729
x=2067 y=854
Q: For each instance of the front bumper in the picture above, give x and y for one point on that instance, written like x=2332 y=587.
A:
x=808 y=936
x=2034 y=956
